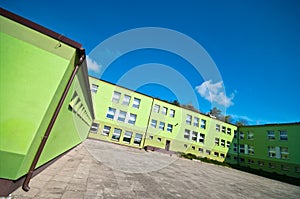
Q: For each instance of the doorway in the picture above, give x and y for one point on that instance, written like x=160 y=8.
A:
x=167 y=147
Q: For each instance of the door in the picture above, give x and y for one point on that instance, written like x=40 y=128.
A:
x=167 y=147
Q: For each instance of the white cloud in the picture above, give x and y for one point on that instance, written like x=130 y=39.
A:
x=92 y=65
x=215 y=92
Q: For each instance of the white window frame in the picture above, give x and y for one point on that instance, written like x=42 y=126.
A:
x=94 y=128
x=138 y=139
x=106 y=130
x=127 y=135
x=111 y=112
x=170 y=128
x=172 y=113
x=94 y=88
x=122 y=116
x=161 y=125
x=117 y=132
x=136 y=103
x=188 y=119
x=153 y=123
x=132 y=119
x=156 y=108
x=196 y=121
x=126 y=100
x=164 y=110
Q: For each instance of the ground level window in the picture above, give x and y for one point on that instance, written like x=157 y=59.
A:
x=216 y=154
x=272 y=166
x=250 y=161
x=200 y=150
x=284 y=167
x=127 y=136
x=185 y=145
x=94 y=128
x=260 y=163
x=138 y=139
x=297 y=169
x=208 y=152
x=222 y=155
x=116 y=134
x=193 y=147
x=106 y=130
x=159 y=139
x=150 y=137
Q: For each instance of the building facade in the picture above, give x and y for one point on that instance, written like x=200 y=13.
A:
x=46 y=106
x=272 y=148
x=134 y=119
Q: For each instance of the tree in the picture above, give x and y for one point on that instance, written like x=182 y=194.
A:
x=216 y=112
x=241 y=122
x=228 y=119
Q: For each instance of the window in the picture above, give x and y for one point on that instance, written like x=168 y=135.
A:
x=218 y=127
x=187 y=134
x=242 y=159
x=150 y=137
x=284 y=152
x=193 y=147
x=138 y=139
x=228 y=144
x=242 y=135
x=136 y=103
x=250 y=135
x=126 y=100
x=250 y=161
x=127 y=136
x=207 y=152
x=223 y=129
x=222 y=155
x=297 y=169
x=94 y=128
x=156 y=108
x=122 y=116
x=106 y=130
x=216 y=154
x=132 y=119
x=217 y=141
x=94 y=88
x=272 y=165
x=251 y=150
x=203 y=123
x=235 y=134
x=185 y=146
x=111 y=113
x=172 y=113
x=223 y=143
x=116 y=134
x=242 y=148
x=229 y=131
x=170 y=128
x=260 y=163
x=234 y=147
x=194 y=136
x=200 y=150
x=272 y=152
x=153 y=123
x=284 y=167
x=271 y=135
x=188 y=119
x=283 y=135
x=164 y=110
x=116 y=97
x=196 y=121
x=201 y=138
x=161 y=125
x=159 y=139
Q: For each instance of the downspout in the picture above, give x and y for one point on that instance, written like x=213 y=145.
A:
x=148 y=123
x=51 y=124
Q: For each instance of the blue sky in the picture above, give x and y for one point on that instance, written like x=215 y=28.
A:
x=254 y=44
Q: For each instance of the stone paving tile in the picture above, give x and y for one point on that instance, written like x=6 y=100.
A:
x=103 y=170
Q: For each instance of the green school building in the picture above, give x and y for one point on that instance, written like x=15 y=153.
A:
x=272 y=148
x=137 y=120
x=46 y=106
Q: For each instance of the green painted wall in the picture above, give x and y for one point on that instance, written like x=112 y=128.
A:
x=33 y=74
x=155 y=136
x=287 y=163
x=102 y=100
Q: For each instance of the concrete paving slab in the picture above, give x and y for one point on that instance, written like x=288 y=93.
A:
x=98 y=169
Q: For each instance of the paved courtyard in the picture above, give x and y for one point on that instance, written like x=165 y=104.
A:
x=97 y=169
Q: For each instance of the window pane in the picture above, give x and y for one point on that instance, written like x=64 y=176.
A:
x=203 y=123
x=153 y=123
x=172 y=113
x=122 y=116
x=106 y=130
x=132 y=119
x=94 y=88
x=196 y=121
x=138 y=139
x=162 y=126
x=283 y=135
x=188 y=119
x=116 y=97
x=156 y=108
x=126 y=100
x=94 y=128
x=187 y=134
x=127 y=136
x=111 y=113
x=136 y=103
x=170 y=128
x=116 y=134
x=164 y=110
